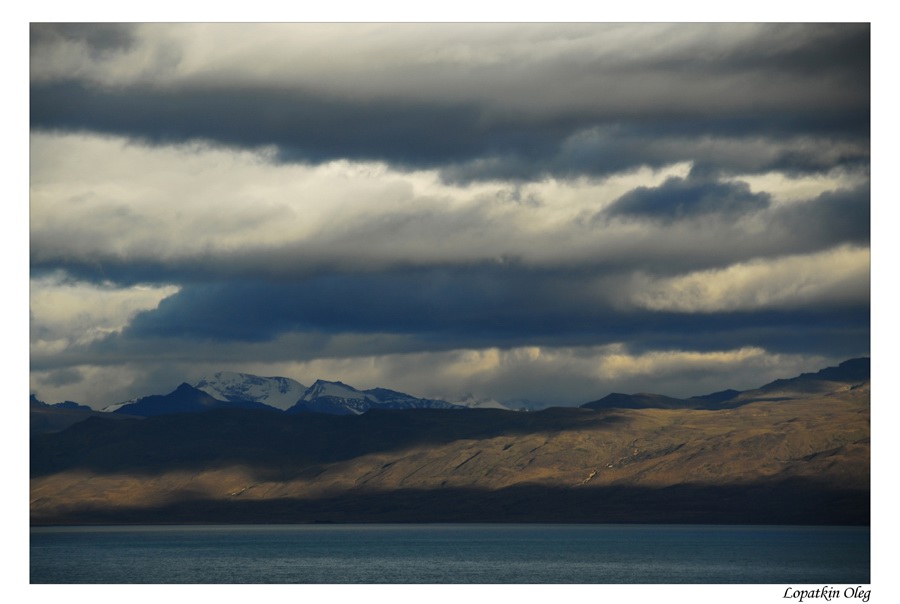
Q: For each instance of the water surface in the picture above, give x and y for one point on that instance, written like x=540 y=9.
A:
x=470 y=553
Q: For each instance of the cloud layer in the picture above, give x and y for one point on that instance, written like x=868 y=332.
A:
x=390 y=199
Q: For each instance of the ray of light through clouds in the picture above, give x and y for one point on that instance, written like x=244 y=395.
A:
x=542 y=212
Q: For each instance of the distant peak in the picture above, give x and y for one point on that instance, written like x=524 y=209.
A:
x=335 y=383
x=860 y=362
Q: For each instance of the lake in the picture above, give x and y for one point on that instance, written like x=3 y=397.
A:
x=451 y=553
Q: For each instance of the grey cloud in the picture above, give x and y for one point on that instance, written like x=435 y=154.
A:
x=566 y=114
x=555 y=101
x=842 y=215
x=63 y=377
x=475 y=308
x=100 y=39
x=480 y=302
x=835 y=331
x=663 y=238
x=465 y=140
x=304 y=126
x=679 y=198
x=794 y=49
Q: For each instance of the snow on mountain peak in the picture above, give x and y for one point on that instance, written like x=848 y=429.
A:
x=338 y=390
x=472 y=402
x=116 y=406
x=278 y=392
x=289 y=395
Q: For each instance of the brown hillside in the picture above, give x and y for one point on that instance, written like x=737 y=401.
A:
x=240 y=465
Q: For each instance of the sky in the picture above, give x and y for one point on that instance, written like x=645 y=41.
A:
x=518 y=212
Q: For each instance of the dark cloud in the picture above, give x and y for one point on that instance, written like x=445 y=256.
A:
x=63 y=377
x=831 y=331
x=476 y=308
x=802 y=89
x=100 y=39
x=462 y=270
x=484 y=302
x=601 y=151
x=304 y=126
x=834 y=50
x=835 y=216
x=467 y=141
x=680 y=198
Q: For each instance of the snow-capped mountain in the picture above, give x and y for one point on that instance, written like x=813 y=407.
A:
x=116 y=406
x=339 y=398
x=279 y=392
x=480 y=403
x=233 y=389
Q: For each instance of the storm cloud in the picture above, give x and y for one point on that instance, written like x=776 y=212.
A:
x=365 y=198
x=479 y=108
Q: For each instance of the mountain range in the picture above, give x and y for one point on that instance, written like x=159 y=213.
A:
x=241 y=390
x=845 y=375
x=792 y=451
x=227 y=389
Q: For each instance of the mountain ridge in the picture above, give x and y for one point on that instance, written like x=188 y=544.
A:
x=848 y=373
x=275 y=391
x=184 y=399
x=336 y=397
x=234 y=389
x=773 y=461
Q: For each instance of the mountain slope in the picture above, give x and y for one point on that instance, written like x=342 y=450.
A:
x=802 y=460
x=279 y=392
x=45 y=418
x=642 y=400
x=184 y=399
x=471 y=402
x=340 y=399
x=847 y=375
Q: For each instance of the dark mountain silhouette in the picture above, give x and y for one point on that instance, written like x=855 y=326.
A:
x=846 y=375
x=716 y=398
x=854 y=371
x=44 y=418
x=617 y=400
x=184 y=399
x=34 y=401
x=73 y=405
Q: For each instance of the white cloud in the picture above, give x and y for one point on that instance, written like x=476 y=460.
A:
x=104 y=198
x=68 y=313
x=836 y=276
x=101 y=199
x=584 y=66
x=786 y=188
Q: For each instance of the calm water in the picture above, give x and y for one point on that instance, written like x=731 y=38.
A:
x=451 y=554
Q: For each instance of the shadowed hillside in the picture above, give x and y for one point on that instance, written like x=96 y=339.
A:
x=847 y=375
x=798 y=460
